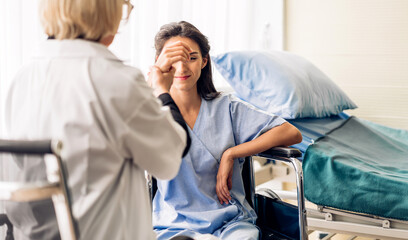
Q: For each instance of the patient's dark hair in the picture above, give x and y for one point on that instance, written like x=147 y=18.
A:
x=205 y=85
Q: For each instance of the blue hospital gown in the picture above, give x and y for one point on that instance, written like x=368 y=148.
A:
x=188 y=204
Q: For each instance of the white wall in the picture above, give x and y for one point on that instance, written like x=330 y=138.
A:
x=362 y=45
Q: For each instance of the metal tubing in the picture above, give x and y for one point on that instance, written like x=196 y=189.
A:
x=26 y=147
x=56 y=188
x=300 y=198
x=252 y=179
x=62 y=204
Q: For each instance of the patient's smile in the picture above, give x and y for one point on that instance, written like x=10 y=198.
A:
x=182 y=77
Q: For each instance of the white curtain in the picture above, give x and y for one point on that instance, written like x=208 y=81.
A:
x=228 y=24
x=20 y=33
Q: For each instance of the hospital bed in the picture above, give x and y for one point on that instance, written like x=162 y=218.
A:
x=361 y=215
x=325 y=218
x=355 y=172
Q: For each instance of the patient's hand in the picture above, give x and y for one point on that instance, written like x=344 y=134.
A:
x=224 y=177
x=172 y=53
x=162 y=73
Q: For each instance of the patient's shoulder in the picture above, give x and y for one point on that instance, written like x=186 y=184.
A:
x=221 y=99
x=228 y=100
x=237 y=103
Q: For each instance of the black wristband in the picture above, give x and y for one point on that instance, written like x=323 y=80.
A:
x=167 y=100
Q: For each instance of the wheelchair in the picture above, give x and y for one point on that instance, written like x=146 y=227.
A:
x=277 y=219
x=55 y=188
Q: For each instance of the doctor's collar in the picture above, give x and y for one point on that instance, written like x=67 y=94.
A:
x=81 y=36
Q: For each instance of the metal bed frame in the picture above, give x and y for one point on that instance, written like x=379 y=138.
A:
x=336 y=221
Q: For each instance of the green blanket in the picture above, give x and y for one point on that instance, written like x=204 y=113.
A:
x=360 y=166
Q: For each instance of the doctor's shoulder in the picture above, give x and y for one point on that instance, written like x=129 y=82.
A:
x=120 y=84
x=115 y=75
x=22 y=74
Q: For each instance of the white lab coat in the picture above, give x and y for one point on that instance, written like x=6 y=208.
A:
x=112 y=129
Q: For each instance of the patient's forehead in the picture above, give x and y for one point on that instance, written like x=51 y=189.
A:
x=193 y=44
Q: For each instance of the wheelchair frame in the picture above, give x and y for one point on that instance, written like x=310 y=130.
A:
x=55 y=188
x=288 y=155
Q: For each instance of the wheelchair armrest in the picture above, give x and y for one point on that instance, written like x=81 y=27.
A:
x=287 y=152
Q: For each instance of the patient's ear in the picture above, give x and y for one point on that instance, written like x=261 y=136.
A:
x=204 y=63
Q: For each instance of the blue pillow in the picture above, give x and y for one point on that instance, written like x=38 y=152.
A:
x=282 y=83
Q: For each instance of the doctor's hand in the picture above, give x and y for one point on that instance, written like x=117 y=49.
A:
x=159 y=81
x=224 y=177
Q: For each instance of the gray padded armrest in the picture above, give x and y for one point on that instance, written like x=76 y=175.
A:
x=287 y=152
x=26 y=147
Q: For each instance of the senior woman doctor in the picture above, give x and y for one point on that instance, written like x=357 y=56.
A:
x=111 y=124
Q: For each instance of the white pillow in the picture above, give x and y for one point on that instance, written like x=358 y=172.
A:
x=282 y=83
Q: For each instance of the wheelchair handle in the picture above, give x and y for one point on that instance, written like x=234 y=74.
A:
x=30 y=147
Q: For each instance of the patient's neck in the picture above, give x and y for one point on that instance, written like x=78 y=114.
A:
x=189 y=103
x=187 y=100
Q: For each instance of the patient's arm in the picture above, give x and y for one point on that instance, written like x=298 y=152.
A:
x=283 y=135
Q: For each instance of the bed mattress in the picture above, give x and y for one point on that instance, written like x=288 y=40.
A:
x=314 y=128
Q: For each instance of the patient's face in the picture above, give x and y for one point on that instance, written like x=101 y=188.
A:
x=187 y=73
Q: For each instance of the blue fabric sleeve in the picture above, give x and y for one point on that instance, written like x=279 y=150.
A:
x=249 y=122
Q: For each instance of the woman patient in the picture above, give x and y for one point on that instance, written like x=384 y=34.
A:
x=207 y=196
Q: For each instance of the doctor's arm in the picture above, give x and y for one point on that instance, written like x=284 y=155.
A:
x=153 y=139
x=161 y=78
x=282 y=135
x=167 y=100
x=161 y=83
